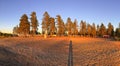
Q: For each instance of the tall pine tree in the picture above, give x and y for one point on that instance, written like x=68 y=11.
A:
x=89 y=29
x=117 y=32
x=83 y=28
x=110 y=30
x=60 y=26
x=93 y=30
x=69 y=26
x=45 y=23
x=24 y=26
x=52 y=26
x=75 y=29
x=34 y=23
x=102 y=30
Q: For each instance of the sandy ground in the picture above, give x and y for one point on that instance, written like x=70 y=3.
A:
x=37 y=51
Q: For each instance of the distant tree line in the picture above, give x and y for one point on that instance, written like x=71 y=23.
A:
x=5 y=35
x=56 y=26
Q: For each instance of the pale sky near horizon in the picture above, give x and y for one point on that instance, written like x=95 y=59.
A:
x=97 y=11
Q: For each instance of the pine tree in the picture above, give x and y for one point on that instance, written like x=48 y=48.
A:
x=98 y=28
x=69 y=26
x=45 y=23
x=60 y=25
x=102 y=30
x=93 y=30
x=24 y=26
x=110 y=30
x=117 y=32
x=63 y=28
x=83 y=28
x=15 y=30
x=34 y=22
x=89 y=29
x=52 y=26
x=75 y=32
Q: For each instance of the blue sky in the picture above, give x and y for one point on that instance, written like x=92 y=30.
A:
x=97 y=11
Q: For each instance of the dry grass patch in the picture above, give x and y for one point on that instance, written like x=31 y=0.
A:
x=37 y=51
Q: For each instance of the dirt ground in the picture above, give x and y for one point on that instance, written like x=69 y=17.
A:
x=37 y=51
